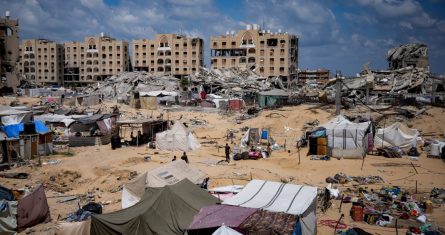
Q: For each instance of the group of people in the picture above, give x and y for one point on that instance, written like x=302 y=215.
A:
x=183 y=157
x=138 y=139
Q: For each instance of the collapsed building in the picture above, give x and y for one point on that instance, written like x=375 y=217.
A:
x=9 y=54
x=414 y=55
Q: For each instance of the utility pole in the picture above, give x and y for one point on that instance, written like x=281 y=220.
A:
x=337 y=95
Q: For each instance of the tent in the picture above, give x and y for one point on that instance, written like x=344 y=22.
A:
x=278 y=197
x=8 y=217
x=397 y=134
x=33 y=209
x=348 y=139
x=178 y=138
x=272 y=98
x=211 y=217
x=166 y=210
x=167 y=174
x=224 y=230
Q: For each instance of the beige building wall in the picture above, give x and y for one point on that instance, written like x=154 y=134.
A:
x=9 y=52
x=270 y=54
x=41 y=61
x=95 y=59
x=168 y=54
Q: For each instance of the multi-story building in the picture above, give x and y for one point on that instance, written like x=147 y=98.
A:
x=41 y=61
x=95 y=59
x=172 y=54
x=270 y=54
x=9 y=53
x=318 y=75
x=413 y=54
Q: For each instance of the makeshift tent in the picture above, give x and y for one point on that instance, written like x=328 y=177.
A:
x=224 y=230
x=266 y=222
x=278 y=197
x=215 y=215
x=348 y=139
x=167 y=174
x=33 y=209
x=178 y=138
x=166 y=210
x=397 y=134
x=272 y=98
x=435 y=149
x=74 y=228
x=8 y=217
x=250 y=137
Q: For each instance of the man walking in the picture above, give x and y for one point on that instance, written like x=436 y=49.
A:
x=227 y=150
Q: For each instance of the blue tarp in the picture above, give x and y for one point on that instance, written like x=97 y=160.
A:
x=13 y=131
x=40 y=127
x=264 y=134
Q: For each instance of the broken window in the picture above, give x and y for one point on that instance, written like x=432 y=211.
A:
x=272 y=42
x=247 y=39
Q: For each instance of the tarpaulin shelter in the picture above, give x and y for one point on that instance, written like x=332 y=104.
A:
x=397 y=134
x=33 y=209
x=178 y=138
x=267 y=222
x=166 y=174
x=211 y=217
x=348 y=139
x=74 y=228
x=10 y=115
x=167 y=210
x=272 y=98
x=8 y=217
x=279 y=197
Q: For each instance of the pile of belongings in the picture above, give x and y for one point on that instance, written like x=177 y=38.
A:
x=342 y=178
x=20 y=210
x=85 y=212
x=390 y=152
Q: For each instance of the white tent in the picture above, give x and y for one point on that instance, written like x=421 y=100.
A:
x=178 y=138
x=224 y=230
x=278 y=197
x=397 y=134
x=346 y=138
x=167 y=174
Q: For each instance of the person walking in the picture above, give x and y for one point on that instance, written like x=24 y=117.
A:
x=174 y=158
x=227 y=150
x=185 y=158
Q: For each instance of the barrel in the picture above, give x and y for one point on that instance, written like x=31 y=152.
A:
x=357 y=213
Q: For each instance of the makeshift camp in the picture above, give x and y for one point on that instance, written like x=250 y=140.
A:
x=167 y=174
x=250 y=137
x=398 y=135
x=8 y=217
x=278 y=197
x=149 y=127
x=10 y=115
x=91 y=130
x=347 y=139
x=166 y=210
x=33 y=209
x=211 y=217
x=224 y=230
x=272 y=98
x=178 y=138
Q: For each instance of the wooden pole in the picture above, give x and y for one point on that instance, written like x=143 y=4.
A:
x=363 y=161
x=337 y=96
x=397 y=228
x=341 y=203
x=299 y=159
x=336 y=225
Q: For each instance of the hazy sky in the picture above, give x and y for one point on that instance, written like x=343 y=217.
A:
x=334 y=34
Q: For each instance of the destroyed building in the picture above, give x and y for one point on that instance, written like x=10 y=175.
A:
x=316 y=75
x=41 y=61
x=9 y=53
x=414 y=54
x=173 y=54
x=270 y=54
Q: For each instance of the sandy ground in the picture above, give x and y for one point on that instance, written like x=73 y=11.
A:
x=101 y=170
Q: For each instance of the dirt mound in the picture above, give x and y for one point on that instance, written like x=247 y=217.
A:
x=63 y=181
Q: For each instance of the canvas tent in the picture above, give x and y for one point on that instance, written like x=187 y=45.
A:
x=224 y=230
x=348 y=139
x=178 y=138
x=397 y=134
x=33 y=209
x=166 y=210
x=167 y=174
x=278 y=197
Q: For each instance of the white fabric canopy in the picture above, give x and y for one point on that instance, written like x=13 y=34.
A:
x=397 y=134
x=178 y=138
x=278 y=197
x=345 y=134
x=224 y=230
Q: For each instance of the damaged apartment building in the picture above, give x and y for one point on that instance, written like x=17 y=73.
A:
x=414 y=54
x=269 y=54
x=9 y=53
x=169 y=54
x=94 y=59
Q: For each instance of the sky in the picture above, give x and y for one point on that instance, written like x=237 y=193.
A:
x=338 y=35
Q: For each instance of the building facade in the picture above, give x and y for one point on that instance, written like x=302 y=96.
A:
x=9 y=53
x=270 y=54
x=94 y=59
x=41 y=61
x=170 y=54
x=318 y=75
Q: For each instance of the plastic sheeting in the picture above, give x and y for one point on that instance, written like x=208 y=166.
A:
x=224 y=230
x=74 y=228
x=215 y=215
x=278 y=197
x=344 y=134
x=178 y=138
x=397 y=134
x=8 y=217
